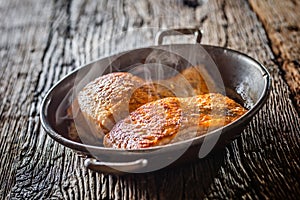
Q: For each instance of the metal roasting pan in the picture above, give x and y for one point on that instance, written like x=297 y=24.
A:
x=246 y=80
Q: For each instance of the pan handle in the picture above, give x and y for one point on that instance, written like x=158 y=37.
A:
x=180 y=31
x=132 y=166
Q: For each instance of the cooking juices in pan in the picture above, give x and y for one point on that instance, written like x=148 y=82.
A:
x=122 y=110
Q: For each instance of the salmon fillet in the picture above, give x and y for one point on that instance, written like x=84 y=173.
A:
x=173 y=119
x=111 y=98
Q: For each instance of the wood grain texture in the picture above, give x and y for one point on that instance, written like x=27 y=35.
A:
x=281 y=21
x=42 y=42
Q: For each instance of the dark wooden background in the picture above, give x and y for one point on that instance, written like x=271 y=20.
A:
x=41 y=41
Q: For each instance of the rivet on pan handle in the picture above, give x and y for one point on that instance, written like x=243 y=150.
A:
x=132 y=166
x=180 y=31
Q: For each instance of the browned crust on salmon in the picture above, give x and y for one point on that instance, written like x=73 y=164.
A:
x=173 y=119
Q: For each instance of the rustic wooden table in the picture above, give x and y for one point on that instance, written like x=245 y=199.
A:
x=41 y=41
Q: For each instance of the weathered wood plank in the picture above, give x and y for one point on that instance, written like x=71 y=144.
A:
x=21 y=46
x=38 y=51
x=281 y=21
x=247 y=35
